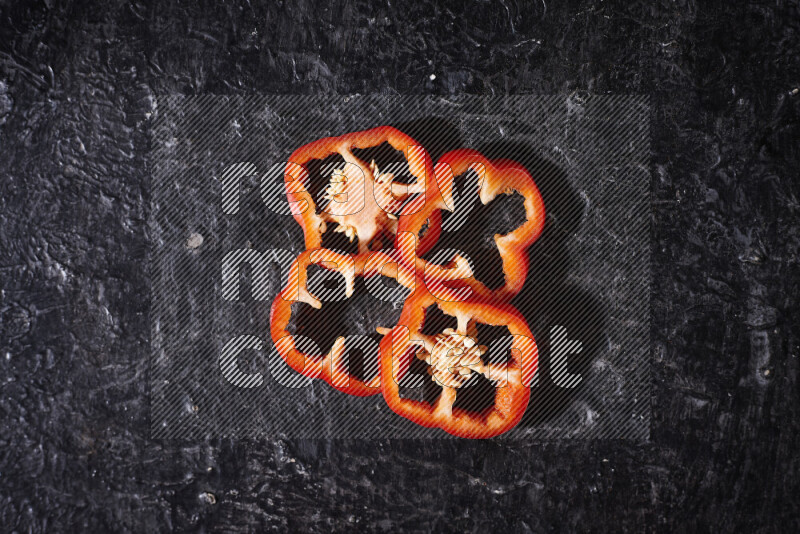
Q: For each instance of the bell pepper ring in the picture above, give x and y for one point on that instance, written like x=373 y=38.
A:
x=453 y=356
x=361 y=200
x=495 y=177
x=328 y=367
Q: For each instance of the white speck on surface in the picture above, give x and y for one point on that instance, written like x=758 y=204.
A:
x=194 y=241
x=591 y=416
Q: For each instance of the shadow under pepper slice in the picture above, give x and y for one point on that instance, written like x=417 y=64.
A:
x=363 y=201
x=452 y=357
x=495 y=177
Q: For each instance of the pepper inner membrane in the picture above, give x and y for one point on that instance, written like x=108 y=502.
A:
x=349 y=219
x=424 y=381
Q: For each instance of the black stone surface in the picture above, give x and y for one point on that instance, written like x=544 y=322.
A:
x=77 y=80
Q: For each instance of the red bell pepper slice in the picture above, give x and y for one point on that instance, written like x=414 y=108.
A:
x=495 y=177
x=363 y=201
x=453 y=356
x=328 y=367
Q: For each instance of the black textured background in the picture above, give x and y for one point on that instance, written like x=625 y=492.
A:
x=76 y=83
